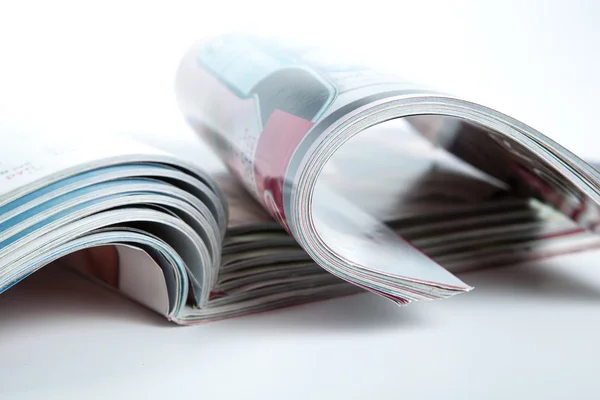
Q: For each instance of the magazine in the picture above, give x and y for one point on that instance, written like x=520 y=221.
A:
x=339 y=180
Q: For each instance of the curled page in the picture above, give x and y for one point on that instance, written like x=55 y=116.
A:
x=359 y=167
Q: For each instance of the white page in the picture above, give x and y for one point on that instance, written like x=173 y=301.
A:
x=142 y=279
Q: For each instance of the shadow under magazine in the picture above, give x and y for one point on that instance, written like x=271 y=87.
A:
x=570 y=277
x=360 y=312
x=53 y=294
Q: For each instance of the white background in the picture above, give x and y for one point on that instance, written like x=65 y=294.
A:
x=525 y=332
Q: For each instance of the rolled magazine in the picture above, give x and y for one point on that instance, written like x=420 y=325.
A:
x=339 y=179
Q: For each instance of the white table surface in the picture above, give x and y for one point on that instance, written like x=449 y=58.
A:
x=526 y=331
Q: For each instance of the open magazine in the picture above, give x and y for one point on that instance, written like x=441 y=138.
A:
x=340 y=179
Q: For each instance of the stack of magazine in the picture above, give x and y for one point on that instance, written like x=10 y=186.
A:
x=339 y=180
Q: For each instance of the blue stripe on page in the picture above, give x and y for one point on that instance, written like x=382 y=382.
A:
x=56 y=201
x=73 y=180
x=53 y=218
x=66 y=197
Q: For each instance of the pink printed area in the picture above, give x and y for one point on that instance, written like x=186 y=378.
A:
x=280 y=137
